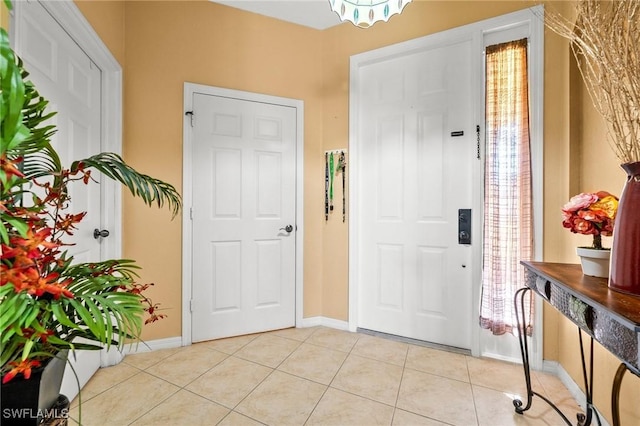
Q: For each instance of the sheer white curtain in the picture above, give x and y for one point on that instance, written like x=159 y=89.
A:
x=507 y=200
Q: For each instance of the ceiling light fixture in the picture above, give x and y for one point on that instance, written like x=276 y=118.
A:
x=365 y=13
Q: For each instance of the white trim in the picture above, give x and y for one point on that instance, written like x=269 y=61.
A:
x=474 y=32
x=67 y=14
x=152 y=345
x=555 y=368
x=325 y=322
x=187 y=193
x=536 y=116
x=113 y=356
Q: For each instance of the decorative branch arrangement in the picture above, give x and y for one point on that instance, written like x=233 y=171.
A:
x=605 y=40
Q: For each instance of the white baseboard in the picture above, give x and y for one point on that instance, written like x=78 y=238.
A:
x=113 y=356
x=556 y=369
x=153 y=345
x=504 y=358
x=324 y=321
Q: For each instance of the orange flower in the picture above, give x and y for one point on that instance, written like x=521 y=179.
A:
x=9 y=166
x=23 y=367
x=41 y=285
x=13 y=276
x=32 y=243
x=29 y=280
x=67 y=223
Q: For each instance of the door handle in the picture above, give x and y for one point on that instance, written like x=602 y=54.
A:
x=287 y=228
x=464 y=226
x=98 y=233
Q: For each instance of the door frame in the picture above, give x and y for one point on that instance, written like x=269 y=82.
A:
x=187 y=193
x=82 y=33
x=475 y=32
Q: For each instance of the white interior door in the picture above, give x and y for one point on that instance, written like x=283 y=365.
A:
x=65 y=75
x=415 y=280
x=244 y=198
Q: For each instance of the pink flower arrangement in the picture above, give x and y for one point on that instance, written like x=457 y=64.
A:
x=591 y=214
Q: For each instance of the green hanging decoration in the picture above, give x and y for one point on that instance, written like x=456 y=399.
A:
x=331 y=174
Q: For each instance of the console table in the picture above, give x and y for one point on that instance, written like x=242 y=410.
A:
x=609 y=317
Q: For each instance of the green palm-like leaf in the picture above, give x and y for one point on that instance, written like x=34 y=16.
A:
x=100 y=310
x=13 y=130
x=151 y=190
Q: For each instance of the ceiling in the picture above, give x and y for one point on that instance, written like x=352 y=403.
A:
x=310 y=13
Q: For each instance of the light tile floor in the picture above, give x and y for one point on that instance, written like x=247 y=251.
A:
x=314 y=376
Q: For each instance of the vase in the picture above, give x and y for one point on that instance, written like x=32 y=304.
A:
x=625 y=250
x=30 y=401
x=595 y=263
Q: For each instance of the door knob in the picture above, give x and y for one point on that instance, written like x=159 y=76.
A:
x=287 y=228
x=98 y=233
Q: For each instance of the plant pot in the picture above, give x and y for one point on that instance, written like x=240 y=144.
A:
x=595 y=263
x=625 y=250
x=29 y=401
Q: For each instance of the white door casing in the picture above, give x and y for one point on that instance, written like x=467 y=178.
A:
x=241 y=187
x=76 y=72
x=415 y=277
x=360 y=182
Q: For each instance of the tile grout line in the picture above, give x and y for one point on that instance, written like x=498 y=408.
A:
x=475 y=406
x=331 y=381
x=472 y=386
x=328 y=385
x=404 y=368
x=184 y=387
x=266 y=377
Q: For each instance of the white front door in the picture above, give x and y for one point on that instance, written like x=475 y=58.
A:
x=244 y=210
x=417 y=145
x=65 y=76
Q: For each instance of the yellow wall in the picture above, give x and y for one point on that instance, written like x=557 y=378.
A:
x=4 y=17
x=107 y=19
x=221 y=46
x=163 y=44
x=169 y=43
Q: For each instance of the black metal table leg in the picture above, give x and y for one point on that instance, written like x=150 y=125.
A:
x=524 y=351
x=585 y=420
x=615 y=394
x=615 y=391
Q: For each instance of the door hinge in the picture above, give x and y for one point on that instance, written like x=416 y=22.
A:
x=191 y=305
x=190 y=115
x=191 y=213
x=478 y=141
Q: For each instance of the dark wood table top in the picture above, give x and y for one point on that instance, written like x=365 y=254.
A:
x=592 y=289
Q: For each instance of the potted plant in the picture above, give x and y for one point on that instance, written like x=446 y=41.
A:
x=48 y=301
x=592 y=214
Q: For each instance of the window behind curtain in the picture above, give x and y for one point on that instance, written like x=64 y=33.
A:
x=507 y=200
